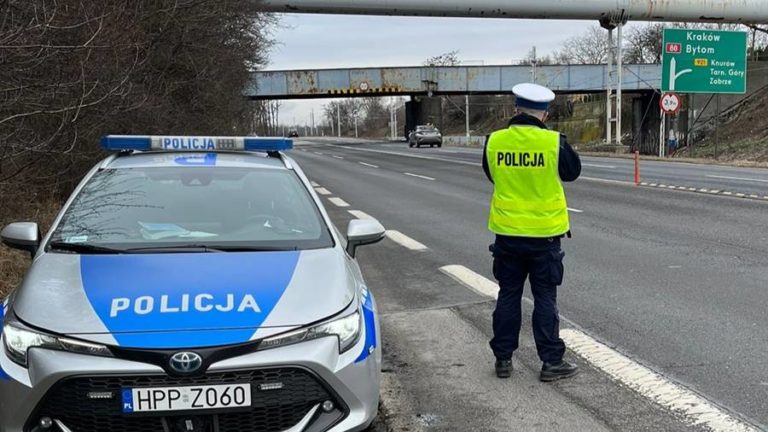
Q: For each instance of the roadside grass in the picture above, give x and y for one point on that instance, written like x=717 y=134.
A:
x=739 y=151
x=40 y=208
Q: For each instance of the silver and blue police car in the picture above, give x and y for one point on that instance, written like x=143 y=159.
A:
x=191 y=284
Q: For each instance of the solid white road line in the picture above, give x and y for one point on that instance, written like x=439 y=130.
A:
x=598 y=166
x=314 y=184
x=360 y=214
x=405 y=241
x=419 y=176
x=474 y=281
x=695 y=409
x=322 y=191
x=368 y=165
x=339 y=202
x=738 y=178
x=575 y=210
x=337 y=157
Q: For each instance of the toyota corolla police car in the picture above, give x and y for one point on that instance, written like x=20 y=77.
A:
x=191 y=284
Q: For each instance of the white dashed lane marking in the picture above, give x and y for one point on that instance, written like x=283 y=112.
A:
x=738 y=178
x=419 y=176
x=322 y=191
x=360 y=214
x=368 y=165
x=405 y=241
x=314 y=184
x=337 y=157
x=473 y=280
x=338 y=202
x=573 y=210
x=599 y=166
x=695 y=409
x=318 y=153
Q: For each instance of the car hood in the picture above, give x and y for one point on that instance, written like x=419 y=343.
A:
x=183 y=300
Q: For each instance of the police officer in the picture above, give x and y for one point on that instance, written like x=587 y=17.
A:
x=526 y=163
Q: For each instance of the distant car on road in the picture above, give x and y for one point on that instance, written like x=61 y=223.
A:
x=293 y=133
x=425 y=135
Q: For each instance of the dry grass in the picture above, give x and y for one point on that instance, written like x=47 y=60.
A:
x=40 y=208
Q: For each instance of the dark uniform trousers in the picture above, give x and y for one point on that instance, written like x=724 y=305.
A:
x=515 y=260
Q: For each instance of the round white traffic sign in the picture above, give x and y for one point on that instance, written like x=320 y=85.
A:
x=364 y=86
x=670 y=103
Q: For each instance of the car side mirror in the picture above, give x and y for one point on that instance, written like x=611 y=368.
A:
x=22 y=235
x=363 y=232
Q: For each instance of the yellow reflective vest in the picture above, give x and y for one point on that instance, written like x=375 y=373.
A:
x=528 y=197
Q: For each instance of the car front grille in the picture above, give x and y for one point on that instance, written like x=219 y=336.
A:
x=271 y=410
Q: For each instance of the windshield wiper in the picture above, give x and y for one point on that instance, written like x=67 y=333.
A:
x=177 y=248
x=83 y=248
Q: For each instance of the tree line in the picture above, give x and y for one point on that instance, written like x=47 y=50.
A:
x=72 y=71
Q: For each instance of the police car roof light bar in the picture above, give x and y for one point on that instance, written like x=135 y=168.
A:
x=195 y=143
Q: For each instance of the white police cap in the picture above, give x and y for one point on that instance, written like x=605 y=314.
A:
x=533 y=96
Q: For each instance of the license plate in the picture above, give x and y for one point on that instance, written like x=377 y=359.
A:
x=160 y=399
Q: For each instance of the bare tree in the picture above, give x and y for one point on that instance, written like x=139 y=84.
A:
x=588 y=48
x=73 y=71
x=446 y=59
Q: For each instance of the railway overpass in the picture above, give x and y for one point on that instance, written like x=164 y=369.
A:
x=449 y=80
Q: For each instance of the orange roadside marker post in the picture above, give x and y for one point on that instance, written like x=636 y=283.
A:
x=637 y=168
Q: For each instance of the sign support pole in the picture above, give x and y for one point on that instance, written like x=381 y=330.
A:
x=609 y=94
x=619 y=81
x=661 y=133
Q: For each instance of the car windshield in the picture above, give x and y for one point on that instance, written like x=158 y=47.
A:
x=426 y=129
x=222 y=208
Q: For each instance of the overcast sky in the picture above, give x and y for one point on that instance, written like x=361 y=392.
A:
x=330 y=41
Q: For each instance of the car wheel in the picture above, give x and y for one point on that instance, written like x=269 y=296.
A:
x=439 y=145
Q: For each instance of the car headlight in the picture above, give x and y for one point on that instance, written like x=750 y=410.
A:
x=346 y=329
x=18 y=340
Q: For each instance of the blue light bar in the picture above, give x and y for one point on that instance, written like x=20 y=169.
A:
x=195 y=143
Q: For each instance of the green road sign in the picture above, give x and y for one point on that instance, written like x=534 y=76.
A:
x=704 y=61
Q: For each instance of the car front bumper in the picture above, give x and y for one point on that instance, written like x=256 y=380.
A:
x=56 y=385
x=429 y=140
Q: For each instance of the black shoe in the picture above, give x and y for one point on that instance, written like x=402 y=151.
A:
x=503 y=368
x=556 y=371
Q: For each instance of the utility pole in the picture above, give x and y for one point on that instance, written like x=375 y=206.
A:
x=312 y=116
x=533 y=65
x=338 y=118
x=355 y=117
x=392 y=122
x=466 y=114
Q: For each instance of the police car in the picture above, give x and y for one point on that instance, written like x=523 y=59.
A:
x=191 y=284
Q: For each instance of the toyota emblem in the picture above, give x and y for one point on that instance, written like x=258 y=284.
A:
x=186 y=362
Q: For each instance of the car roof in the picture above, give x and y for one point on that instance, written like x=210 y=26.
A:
x=208 y=159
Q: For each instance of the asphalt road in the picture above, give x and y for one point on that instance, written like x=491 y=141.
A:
x=749 y=181
x=674 y=280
